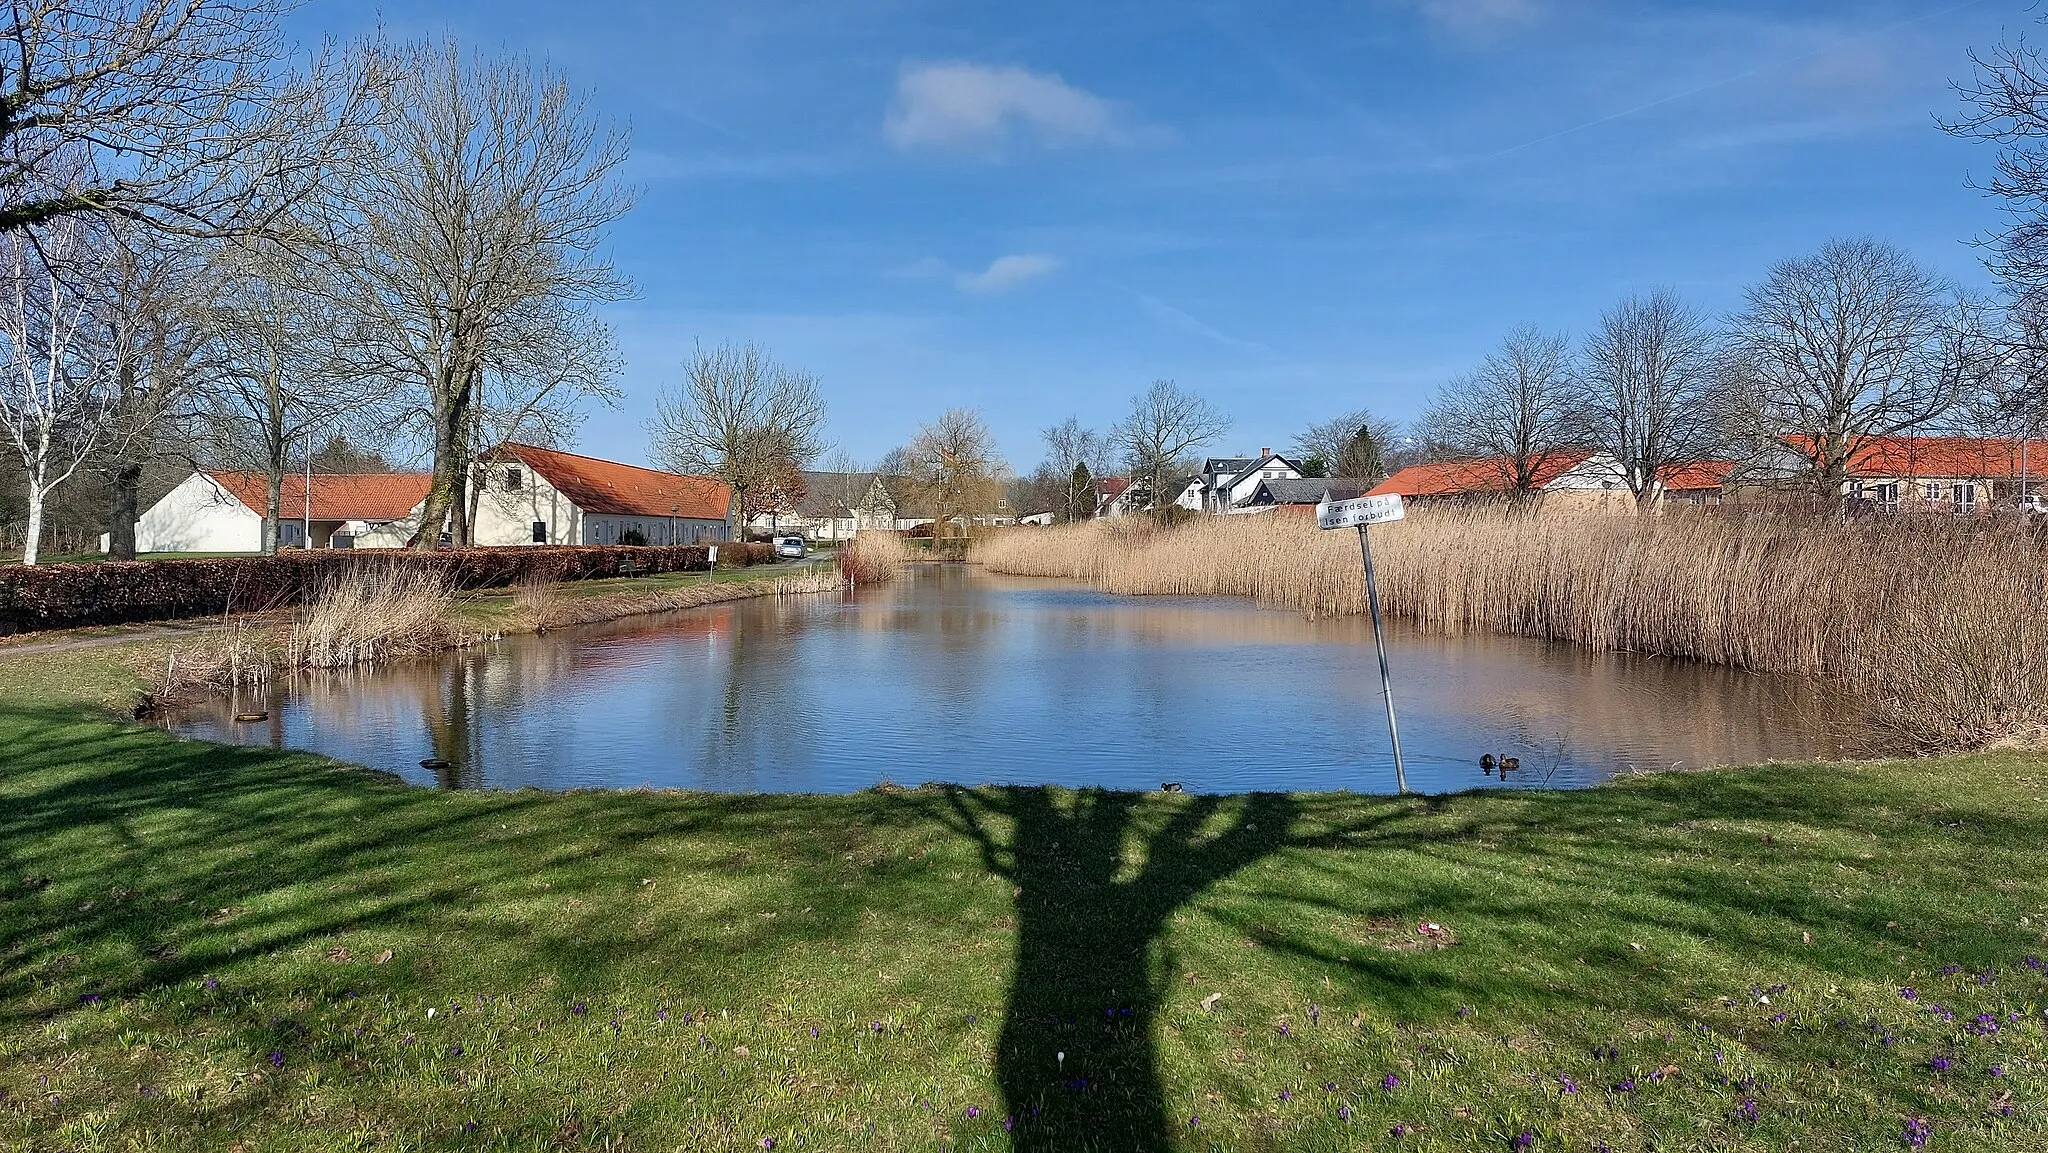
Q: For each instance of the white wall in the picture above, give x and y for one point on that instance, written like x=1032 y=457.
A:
x=505 y=516
x=608 y=529
x=199 y=516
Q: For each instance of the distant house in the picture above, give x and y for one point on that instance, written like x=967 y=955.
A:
x=1960 y=474
x=534 y=495
x=217 y=511
x=1113 y=496
x=1576 y=476
x=1227 y=481
x=1697 y=482
x=1573 y=479
x=1299 y=493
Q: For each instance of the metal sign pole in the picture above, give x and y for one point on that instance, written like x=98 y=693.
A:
x=1379 y=640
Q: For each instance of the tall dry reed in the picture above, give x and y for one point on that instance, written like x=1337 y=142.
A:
x=1940 y=621
x=872 y=557
x=370 y=615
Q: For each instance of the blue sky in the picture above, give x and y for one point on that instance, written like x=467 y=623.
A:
x=1293 y=209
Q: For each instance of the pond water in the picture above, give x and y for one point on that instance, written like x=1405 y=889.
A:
x=953 y=674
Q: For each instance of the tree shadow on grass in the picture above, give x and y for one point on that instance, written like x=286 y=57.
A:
x=1097 y=877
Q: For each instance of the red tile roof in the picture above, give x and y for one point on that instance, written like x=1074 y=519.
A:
x=1111 y=487
x=609 y=488
x=375 y=496
x=1959 y=457
x=1695 y=476
x=1484 y=474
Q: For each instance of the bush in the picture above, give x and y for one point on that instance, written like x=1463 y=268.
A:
x=115 y=592
x=742 y=554
x=633 y=536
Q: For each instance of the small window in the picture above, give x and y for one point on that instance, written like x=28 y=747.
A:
x=512 y=480
x=1930 y=491
x=1965 y=497
x=540 y=532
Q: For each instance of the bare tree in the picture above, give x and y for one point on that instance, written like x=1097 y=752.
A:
x=1852 y=343
x=154 y=294
x=2008 y=97
x=739 y=416
x=1327 y=441
x=1650 y=374
x=58 y=409
x=170 y=113
x=481 y=205
x=279 y=377
x=1070 y=447
x=1518 y=410
x=954 y=467
x=1166 y=424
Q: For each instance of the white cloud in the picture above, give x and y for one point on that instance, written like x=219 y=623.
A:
x=1478 y=15
x=961 y=105
x=1005 y=273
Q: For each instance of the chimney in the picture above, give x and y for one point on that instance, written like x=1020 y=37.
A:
x=1264 y=453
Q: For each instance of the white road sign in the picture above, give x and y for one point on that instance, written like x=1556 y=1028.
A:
x=1362 y=510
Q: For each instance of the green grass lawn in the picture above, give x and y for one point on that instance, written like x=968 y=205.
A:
x=206 y=948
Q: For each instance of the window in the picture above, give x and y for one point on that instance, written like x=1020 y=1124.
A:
x=512 y=480
x=1886 y=493
x=1930 y=491
x=540 y=532
x=1965 y=497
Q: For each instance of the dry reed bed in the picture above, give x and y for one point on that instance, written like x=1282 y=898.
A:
x=372 y=616
x=1938 y=620
x=872 y=557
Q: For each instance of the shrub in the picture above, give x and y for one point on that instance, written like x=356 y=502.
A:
x=114 y=592
x=633 y=536
x=742 y=554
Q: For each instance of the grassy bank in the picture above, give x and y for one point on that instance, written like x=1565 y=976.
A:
x=205 y=948
x=1940 y=621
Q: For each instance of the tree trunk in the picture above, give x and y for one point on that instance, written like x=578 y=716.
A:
x=32 y=548
x=121 y=524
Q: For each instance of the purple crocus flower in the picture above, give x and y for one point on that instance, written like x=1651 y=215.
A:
x=277 y=1058
x=1951 y=970
x=1399 y=1130
x=1009 y=1122
x=1343 y=1112
x=579 y=1008
x=1747 y=1110
x=1565 y=1085
x=1916 y=1133
x=1390 y=1082
x=1195 y=1121
x=91 y=998
x=1939 y=1064
x=2031 y=962
x=1523 y=1140
x=1286 y=1096
x=767 y=1142
x=973 y=1111
x=211 y=982
x=1983 y=1025
x=1996 y=1071
x=1625 y=1085
x=455 y=1050
x=1329 y=1086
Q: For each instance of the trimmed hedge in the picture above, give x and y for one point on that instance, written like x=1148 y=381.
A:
x=116 y=592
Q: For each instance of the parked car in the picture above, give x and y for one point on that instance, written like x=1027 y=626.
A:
x=790 y=546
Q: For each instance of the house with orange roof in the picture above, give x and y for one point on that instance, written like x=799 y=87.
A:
x=534 y=495
x=221 y=511
x=1958 y=474
x=1575 y=478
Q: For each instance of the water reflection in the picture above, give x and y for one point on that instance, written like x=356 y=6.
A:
x=956 y=675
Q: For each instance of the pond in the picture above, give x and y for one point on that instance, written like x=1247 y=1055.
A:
x=953 y=674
